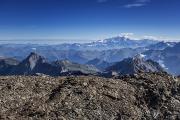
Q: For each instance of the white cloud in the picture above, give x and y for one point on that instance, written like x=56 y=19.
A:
x=134 y=5
x=160 y=38
x=134 y=36
x=137 y=3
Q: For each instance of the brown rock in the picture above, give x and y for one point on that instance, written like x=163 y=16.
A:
x=143 y=96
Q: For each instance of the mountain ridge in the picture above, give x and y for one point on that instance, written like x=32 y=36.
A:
x=135 y=65
x=35 y=64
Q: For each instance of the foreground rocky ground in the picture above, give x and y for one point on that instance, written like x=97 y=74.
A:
x=142 y=96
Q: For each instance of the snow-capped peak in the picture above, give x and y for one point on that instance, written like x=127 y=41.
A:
x=142 y=55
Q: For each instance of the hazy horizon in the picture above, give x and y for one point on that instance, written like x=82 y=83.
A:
x=130 y=36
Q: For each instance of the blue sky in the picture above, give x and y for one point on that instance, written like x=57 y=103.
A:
x=89 y=19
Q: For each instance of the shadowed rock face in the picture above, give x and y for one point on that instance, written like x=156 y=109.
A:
x=6 y=64
x=135 y=65
x=100 y=64
x=140 y=96
x=33 y=64
x=68 y=67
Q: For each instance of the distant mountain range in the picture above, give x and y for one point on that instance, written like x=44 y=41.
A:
x=99 y=54
x=169 y=58
x=116 y=43
x=35 y=64
x=111 y=50
x=161 y=45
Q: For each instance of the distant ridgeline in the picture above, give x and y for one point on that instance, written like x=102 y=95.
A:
x=35 y=64
x=89 y=58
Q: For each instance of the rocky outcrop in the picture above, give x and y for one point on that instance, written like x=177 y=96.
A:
x=69 y=68
x=144 y=96
x=33 y=64
x=134 y=65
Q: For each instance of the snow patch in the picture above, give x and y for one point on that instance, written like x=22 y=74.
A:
x=142 y=55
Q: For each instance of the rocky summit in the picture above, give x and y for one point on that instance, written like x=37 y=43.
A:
x=135 y=65
x=143 y=96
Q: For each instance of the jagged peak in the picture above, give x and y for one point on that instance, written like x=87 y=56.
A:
x=135 y=65
x=32 y=54
x=139 y=57
x=35 y=56
x=33 y=59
